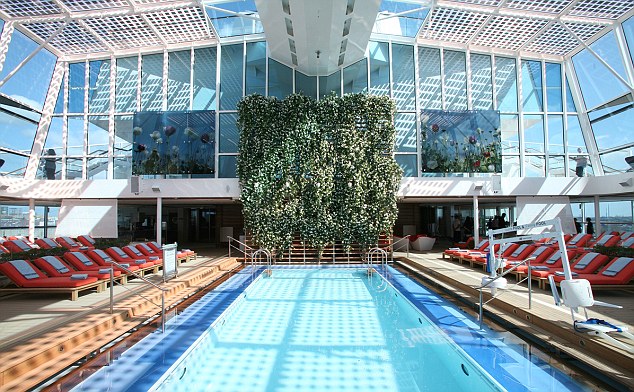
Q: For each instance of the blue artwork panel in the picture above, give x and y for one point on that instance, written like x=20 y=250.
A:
x=174 y=142
x=461 y=141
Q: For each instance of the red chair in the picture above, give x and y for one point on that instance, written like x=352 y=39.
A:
x=457 y=251
x=620 y=271
x=586 y=264
x=46 y=243
x=26 y=276
x=54 y=266
x=520 y=253
x=147 y=251
x=541 y=254
x=17 y=246
x=180 y=255
x=3 y=249
x=628 y=243
x=578 y=240
x=136 y=254
x=505 y=252
x=553 y=261
x=103 y=259
x=71 y=244
x=122 y=258
x=87 y=240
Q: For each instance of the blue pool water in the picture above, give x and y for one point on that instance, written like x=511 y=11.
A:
x=335 y=329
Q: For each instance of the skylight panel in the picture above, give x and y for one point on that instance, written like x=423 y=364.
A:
x=124 y=32
x=25 y=8
x=454 y=25
x=548 y=6
x=234 y=18
x=400 y=18
x=508 y=32
x=89 y=5
x=608 y=9
x=180 y=25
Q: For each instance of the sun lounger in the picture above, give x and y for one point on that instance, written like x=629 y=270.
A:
x=55 y=266
x=134 y=253
x=29 y=278
x=86 y=240
x=180 y=255
x=71 y=244
x=618 y=272
x=103 y=259
x=17 y=246
x=46 y=243
x=457 y=251
x=586 y=264
x=121 y=257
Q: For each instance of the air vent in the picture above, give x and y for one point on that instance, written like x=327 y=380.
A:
x=291 y=44
x=294 y=58
x=346 y=27
x=344 y=45
x=350 y=7
x=341 y=57
x=286 y=7
x=289 y=27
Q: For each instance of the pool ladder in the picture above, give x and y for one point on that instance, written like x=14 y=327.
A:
x=257 y=255
x=383 y=258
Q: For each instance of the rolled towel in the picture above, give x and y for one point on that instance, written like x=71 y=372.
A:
x=140 y=261
x=540 y=268
x=561 y=273
x=83 y=248
x=104 y=270
x=454 y=248
x=126 y=265
x=79 y=276
x=154 y=258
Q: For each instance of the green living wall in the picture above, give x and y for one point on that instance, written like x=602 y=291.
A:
x=323 y=170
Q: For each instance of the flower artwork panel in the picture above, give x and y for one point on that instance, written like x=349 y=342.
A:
x=174 y=143
x=461 y=141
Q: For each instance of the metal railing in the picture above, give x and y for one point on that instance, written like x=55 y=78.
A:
x=247 y=252
x=163 y=290
x=488 y=283
x=406 y=238
x=257 y=256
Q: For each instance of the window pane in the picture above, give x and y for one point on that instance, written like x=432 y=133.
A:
x=572 y=166
x=533 y=133
x=152 y=82
x=306 y=85
x=355 y=77
x=99 y=86
x=30 y=84
x=405 y=124
x=205 y=79
x=280 y=80
x=506 y=84
x=50 y=166
x=230 y=76
x=24 y=130
x=404 y=89
x=532 y=93
x=330 y=84
x=614 y=129
x=556 y=166
x=455 y=80
x=556 y=134
x=408 y=163
x=97 y=168
x=98 y=135
x=14 y=165
x=628 y=29
x=123 y=167
x=379 y=54
x=178 y=83
x=227 y=166
x=54 y=137
x=553 y=87
x=510 y=166
x=77 y=86
x=75 y=136
x=535 y=166
x=59 y=105
x=430 y=85
x=125 y=92
x=570 y=103
x=229 y=134
x=256 y=68
x=122 y=135
x=575 y=137
x=74 y=168
x=614 y=162
x=510 y=134
x=481 y=85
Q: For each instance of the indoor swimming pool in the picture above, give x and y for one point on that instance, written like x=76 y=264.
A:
x=326 y=329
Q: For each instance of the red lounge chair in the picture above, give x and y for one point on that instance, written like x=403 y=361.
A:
x=47 y=243
x=71 y=244
x=457 y=251
x=586 y=264
x=147 y=251
x=541 y=254
x=553 y=261
x=3 y=250
x=17 y=246
x=180 y=255
x=628 y=243
x=620 y=271
x=26 y=276
x=104 y=260
x=521 y=252
x=136 y=254
x=505 y=252
x=122 y=258
x=627 y=234
x=578 y=240
x=54 y=266
x=86 y=240
x=604 y=240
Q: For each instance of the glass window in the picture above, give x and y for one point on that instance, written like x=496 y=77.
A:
x=23 y=130
x=533 y=133
x=556 y=166
x=280 y=80
x=510 y=134
x=230 y=76
x=575 y=136
x=98 y=135
x=97 y=168
x=532 y=90
x=59 y=105
x=205 y=79
x=330 y=84
x=430 y=84
x=54 y=137
x=30 y=84
x=481 y=84
x=455 y=80
x=628 y=29
x=506 y=84
x=122 y=167
x=608 y=49
x=572 y=166
x=405 y=124
x=510 y=166
x=127 y=79
x=255 y=72
x=355 y=77
x=74 y=168
x=229 y=134
x=77 y=86
x=570 y=103
x=178 y=80
x=408 y=163
x=14 y=165
x=306 y=85
x=553 y=87
x=555 y=134
x=614 y=162
x=122 y=135
x=617 y=215
x=227 y=166
x=404 y=90
x=99 y=86
x=152 y=82
x=75 y=136
x=379 y=54
x=229 y=24
x=614 y=129
x=534 y=166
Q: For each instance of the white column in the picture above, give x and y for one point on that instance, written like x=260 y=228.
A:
x=159 y=220
x=597 y=217
x=31 y=220
x=476 y=220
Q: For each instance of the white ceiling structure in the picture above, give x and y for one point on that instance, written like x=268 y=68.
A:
x=84 y=29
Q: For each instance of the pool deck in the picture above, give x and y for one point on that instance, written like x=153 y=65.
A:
x=544 y=320
x=40 y=335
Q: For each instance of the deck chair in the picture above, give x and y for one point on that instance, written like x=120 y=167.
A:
x=553 y=261
x=104 y=260
x=604 y=240
x=619 y=271
x=628 y=243
x=136 y=254
x=578 y=240
x=47 y=243
x=456 y=251
x=3 y=250
x=71 y=244
x=86 y=240
x=540 y=255
x=55 y=266
x=506 y=250
x=17 y=246
x=121 y=257
x=587 y=263
x=180 y=255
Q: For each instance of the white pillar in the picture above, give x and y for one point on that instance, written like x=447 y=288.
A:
x=31 y=220
x=597 y=217
x=159 y=220
x=476 y=220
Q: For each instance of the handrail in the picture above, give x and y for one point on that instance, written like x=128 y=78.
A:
x=163 y=290
x=402 y=239
x=491 y=280
x=256 y=254
x=383 y=254
x=237 y=248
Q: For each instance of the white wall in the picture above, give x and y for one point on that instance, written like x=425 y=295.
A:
x=535 y=209
x=97 y=217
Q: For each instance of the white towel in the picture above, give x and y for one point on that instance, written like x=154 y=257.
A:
x=104 y=270
x=154 y=258
x=79 y=276
x=139 y=261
